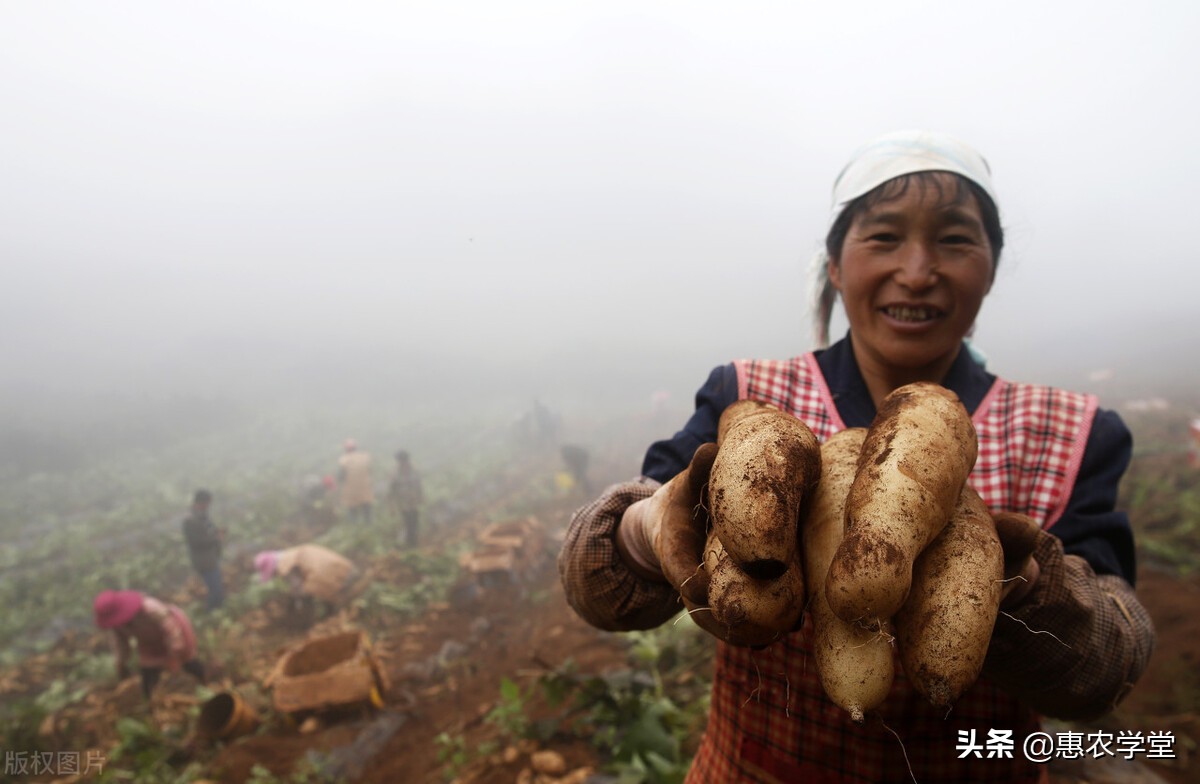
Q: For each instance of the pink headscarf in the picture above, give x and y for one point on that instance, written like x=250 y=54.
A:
x=266 y=562
x=115 y=608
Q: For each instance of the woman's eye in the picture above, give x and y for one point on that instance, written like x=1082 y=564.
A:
x=957 y=239
x=883 y=236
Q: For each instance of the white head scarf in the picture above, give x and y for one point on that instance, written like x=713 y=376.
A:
x=886 y=158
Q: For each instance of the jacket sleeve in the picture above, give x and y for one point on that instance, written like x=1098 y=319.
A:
x=667 y=458
x=1076 y=644
x=1080 y=639
x=1091 y=526
x=597 y=582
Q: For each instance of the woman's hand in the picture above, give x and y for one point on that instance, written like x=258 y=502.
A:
x=680 y=519
x=665 y=535
x=1018 y=537
x=662 y=537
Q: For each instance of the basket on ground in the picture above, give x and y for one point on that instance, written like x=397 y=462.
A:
x=338 y=671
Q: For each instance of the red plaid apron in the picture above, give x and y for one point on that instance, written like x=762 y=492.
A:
x=770 y=720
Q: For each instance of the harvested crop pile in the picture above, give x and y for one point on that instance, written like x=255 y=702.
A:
x=899 y=554
x=919 y=554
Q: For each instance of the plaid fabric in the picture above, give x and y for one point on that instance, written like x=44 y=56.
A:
x=1031 y=442
x=770 y=719
x=597 y=583
x=1102 y=635
x=794 y=385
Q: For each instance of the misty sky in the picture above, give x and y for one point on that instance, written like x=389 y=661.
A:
x=191 y=193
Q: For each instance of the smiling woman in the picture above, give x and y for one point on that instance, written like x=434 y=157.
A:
x=913 y=268
x=912 y=251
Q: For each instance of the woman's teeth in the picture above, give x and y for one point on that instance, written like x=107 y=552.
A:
x=911 y=314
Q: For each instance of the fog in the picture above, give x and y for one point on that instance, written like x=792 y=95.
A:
x=231 y=206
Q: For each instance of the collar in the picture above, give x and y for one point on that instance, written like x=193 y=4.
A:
x=966 y=378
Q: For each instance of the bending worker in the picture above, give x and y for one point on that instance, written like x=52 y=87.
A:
x=162 y=633
x=313 y=573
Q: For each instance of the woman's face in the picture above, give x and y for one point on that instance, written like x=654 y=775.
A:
x=913 y=272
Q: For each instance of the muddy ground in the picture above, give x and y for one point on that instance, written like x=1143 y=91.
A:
x=524 y=643
x=445 y=668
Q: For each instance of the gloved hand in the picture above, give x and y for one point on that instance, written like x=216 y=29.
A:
x=681 y=538
x=662 y=537
x=682 y=524
x=1019 y=537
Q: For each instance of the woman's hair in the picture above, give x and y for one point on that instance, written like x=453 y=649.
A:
x=889 y=191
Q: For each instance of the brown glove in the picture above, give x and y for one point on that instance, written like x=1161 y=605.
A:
x=680 y=516
x=662 y=537
x=1019 y=537
x=682 y=527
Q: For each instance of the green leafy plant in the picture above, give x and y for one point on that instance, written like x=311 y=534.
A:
x=645 y=718
x=453 y=753
x=59 y=695
x=19 y=721
x=142 y=755
x=508 y=715
x=305 y=773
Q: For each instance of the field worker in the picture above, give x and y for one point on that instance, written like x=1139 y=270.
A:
x=354 y=471
x=405 y=496
x=314 y=573
x=912 y=248
x=162 y=632
x=204 y=541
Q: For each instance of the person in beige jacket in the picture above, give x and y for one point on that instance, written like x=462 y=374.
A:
x=314 y=573
x=354 y=469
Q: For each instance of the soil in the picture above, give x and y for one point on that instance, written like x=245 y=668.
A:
x=1167 y=698
x=517 y=631
x=1168 y=695
x=540 y=632
x=445 y=670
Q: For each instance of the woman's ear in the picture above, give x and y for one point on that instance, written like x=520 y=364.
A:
x=835 y=274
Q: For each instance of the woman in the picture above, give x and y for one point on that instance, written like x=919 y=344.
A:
x=313 y=573
x=354 y=471
x=912 y=251
x=405 y=496
x=162 y=632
